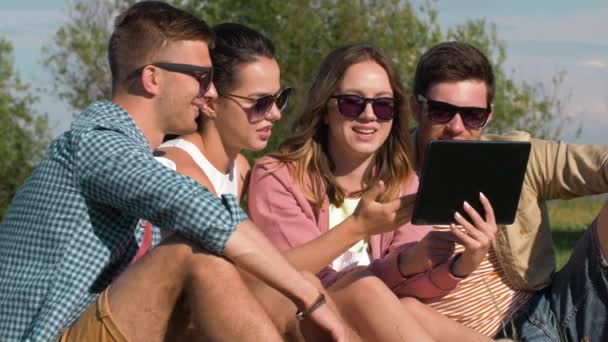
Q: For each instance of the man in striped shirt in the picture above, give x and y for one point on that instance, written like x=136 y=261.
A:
x=516 y=286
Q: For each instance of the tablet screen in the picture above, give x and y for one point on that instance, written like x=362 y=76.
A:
x=456 y=171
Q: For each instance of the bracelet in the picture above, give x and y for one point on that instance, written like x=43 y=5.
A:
x=302 y=314
x=452 y=267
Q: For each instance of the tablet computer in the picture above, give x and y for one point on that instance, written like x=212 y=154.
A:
x=456 y=171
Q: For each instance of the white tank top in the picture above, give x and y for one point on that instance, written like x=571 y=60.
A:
x=223 y=183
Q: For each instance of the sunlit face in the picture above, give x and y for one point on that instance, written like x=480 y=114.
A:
x=358 y=138
x=179 y=101
x=469 y=93
x=234 y=113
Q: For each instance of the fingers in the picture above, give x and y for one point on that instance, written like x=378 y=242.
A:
x=488 y=228
x=471 y=230
x=405 y=208
x=487 y=206
x=474 y=215
x=407 y=200
x=444 y=235
x=375 y=191
x=402 y=209
x=440 y=240
x=465 y=239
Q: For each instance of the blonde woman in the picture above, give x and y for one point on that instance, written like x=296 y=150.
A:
x=310 y=198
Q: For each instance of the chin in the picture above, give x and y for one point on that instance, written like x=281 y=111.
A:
x=257 y=146
x=366 y=148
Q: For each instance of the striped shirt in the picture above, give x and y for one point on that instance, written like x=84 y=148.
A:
x=70 y=228
x=482 y=301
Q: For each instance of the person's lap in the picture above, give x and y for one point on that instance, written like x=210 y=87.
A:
x=175 y=284
x=575 y=305
x=95 y=324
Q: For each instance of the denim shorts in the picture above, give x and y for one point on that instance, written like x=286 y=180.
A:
x=575 y=306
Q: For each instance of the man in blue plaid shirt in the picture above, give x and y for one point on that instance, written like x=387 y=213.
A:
x=68 y=235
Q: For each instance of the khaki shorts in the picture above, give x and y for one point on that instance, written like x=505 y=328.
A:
x=95 y=324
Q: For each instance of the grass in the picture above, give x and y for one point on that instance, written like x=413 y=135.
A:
x=569 y=219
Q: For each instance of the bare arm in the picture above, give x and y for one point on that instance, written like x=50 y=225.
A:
x=285 y=216
x=370 y=218
x=249 y=249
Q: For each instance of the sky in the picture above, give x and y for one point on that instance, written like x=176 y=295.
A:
x=543 y=37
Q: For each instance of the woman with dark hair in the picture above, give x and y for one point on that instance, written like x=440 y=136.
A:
x=250 y=99
x=311 y=199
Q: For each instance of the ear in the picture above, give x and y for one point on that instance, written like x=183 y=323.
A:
x=150 y=80
x=208 y=109
x=416 y=108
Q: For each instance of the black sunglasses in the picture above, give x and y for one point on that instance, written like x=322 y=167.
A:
x=204 y=75
x=443 y=112
x=261 y=106
x=352 y=106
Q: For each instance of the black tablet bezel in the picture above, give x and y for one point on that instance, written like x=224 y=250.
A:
x=496 y=168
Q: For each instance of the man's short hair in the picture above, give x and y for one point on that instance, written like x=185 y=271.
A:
x=453 y=62
x=141 y=32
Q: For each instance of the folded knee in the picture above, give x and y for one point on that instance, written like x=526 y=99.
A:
x=363 y=286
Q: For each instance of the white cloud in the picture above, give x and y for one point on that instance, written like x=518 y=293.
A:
x=595 y=63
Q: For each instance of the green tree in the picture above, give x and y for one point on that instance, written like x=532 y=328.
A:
x=24 y=133
x=304 y=31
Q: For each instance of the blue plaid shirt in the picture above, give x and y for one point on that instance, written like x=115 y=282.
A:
x=70 y=229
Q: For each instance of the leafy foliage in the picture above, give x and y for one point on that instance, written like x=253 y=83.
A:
x=24 y=133
x=304 y=31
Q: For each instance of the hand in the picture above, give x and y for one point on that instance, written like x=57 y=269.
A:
x=375 y=217
x=476 y=239
x=325 y=320
x=435 y=248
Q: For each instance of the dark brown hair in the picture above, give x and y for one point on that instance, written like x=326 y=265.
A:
x=235 y=45
x=452 y=62
x=305 y=151
x=141 y=32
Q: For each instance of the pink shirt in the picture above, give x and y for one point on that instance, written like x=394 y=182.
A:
x=282 y=212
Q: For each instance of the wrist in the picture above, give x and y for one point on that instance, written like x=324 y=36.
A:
x=306 y=296
x=304 y=313
x=357 y=228
x=456 y=267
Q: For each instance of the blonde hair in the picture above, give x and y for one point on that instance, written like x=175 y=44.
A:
x=305 y=152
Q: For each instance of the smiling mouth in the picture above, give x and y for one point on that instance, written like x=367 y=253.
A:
x=366 y=131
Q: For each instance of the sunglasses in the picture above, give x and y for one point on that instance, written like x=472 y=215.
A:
x=443 y=112
x=351 y=106
x=204 y=75
x=261 y=106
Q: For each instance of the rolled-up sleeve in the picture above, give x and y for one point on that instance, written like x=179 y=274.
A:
x=115 y=170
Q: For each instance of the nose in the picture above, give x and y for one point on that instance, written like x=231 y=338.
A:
x=368 y=113
x=456 y=126
x=211 y=93
x=274 y=114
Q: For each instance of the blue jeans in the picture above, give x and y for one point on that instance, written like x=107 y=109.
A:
x=575 y=305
